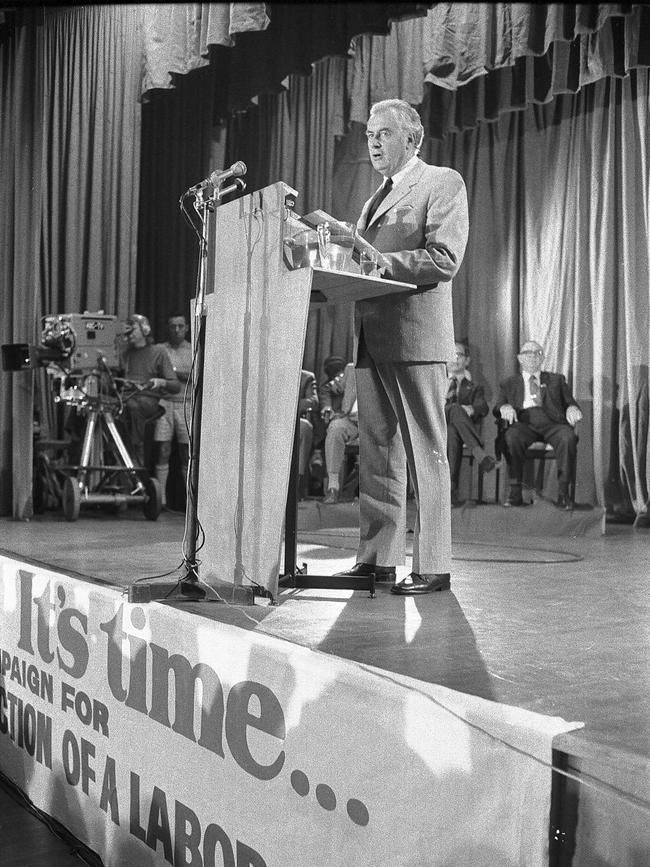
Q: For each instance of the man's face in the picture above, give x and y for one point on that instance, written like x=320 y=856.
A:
x=530 y=357
x=134 y=334
x=177 y=330
x=459 y=364
x=389 y=146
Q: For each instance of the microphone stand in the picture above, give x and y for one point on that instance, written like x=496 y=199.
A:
x=202 y=206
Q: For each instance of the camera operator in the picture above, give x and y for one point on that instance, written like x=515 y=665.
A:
x=148 y=367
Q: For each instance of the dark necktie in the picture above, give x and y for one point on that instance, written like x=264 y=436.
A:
x=381 y=194
x=452 y=390
x=534 y=391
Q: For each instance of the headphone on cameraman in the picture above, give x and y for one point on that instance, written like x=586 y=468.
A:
x=142 y=321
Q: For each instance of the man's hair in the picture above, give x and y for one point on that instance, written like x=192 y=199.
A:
x=177 y=316
x=145 y=325
x=465 y=346
x=407 y=116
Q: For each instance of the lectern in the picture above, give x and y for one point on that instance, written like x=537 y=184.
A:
x=256 y=308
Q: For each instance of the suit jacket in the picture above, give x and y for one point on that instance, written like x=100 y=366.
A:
x=556 y=395
x=308 y=396
x=470 y=394
x=421 y=227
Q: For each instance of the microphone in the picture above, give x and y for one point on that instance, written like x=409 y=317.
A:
x=239 y=185
x=219 y=176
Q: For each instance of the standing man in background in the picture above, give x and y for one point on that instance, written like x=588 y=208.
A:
x=173 y=423
x=418 y=220
x=146 y=366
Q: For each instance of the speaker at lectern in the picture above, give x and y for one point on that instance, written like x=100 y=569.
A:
x=259 y=289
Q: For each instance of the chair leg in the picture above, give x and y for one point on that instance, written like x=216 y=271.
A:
x=572 y=483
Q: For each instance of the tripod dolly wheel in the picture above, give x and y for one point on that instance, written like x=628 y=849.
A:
x=71 y=499
x=152 y=499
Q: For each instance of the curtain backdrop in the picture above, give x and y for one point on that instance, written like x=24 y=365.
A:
x=69 y=157
x=20 y=181
x=176 y=142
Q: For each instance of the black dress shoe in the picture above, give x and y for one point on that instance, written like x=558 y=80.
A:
x=415 y=584
x=563 y=502
x=514 y=500
x=362 y=570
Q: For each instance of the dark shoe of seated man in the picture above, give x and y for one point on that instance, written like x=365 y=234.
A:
x=414 y=584
x=563 y=501
x=514 y=497
x=362 y=570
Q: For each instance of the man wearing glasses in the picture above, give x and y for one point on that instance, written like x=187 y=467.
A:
x=538 y=405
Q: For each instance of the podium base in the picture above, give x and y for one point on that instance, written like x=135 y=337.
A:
x=300 y=580
x=191 y=590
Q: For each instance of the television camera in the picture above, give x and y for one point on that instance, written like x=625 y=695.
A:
x=81 y=355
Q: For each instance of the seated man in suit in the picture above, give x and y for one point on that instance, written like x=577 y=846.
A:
x=342 y=426
x=538 y=405
x=465 y=406
x=307 y=405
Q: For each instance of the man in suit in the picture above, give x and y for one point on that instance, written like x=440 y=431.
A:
x=307 y=406
x=538 y=405
x=418 y=221
x=465 y=406
x=342 y=426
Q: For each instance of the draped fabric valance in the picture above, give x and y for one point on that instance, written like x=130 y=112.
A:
x=176 y=36
x=468 y=62
x=267 y=41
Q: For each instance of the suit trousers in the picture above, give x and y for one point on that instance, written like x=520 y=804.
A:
x=305 y=439
x=402 y=419
x=461 y=430
x=534 y=424
x=339 y=432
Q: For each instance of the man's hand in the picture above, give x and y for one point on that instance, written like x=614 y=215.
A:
x=157 y=384
x=469 y=409
x=573 y=415
x=508 y=413
x=383 y=266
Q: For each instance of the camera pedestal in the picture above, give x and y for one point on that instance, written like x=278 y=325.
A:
x=100 y=431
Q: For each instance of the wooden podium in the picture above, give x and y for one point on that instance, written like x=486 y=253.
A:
x=256 y=310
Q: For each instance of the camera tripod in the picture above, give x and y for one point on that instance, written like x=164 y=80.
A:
x=98 y=483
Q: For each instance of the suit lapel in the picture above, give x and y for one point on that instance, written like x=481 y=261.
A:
x=521 y=390
x=395 y=195
x=543 y=383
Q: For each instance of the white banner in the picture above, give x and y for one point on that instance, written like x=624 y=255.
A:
x=161 y=737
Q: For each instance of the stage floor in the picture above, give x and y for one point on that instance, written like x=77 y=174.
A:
x=555 y=620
